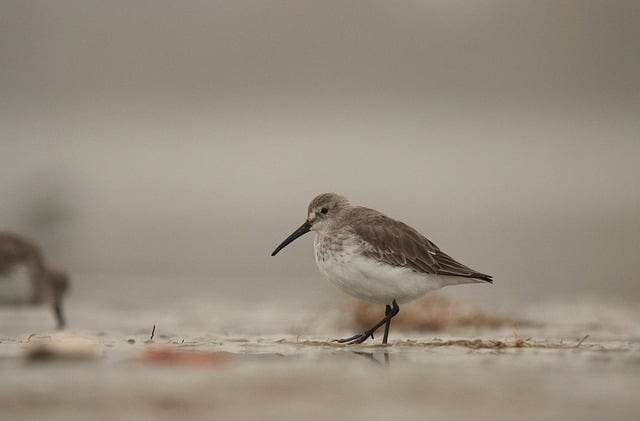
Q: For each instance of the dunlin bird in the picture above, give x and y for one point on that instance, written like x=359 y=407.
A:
x=376 y=258
x=47 y=284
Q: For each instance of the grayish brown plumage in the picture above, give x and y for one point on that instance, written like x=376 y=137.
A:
x=391 y=241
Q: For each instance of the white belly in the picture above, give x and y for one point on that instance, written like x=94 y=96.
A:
x=376 y=282
x=373 y=281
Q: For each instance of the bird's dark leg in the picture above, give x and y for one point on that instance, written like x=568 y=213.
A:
x=57 y=310
x=387 y=311
x=390 y=313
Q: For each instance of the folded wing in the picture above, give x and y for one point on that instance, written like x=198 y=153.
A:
x=397 y=244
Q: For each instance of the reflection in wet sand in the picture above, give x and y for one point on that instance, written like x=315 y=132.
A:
x=370 y=356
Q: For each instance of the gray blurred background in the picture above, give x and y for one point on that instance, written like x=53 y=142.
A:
x=160 y=150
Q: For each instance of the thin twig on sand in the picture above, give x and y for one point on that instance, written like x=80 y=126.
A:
x=582 y=340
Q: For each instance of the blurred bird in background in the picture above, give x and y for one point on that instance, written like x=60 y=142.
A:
x=47 y=284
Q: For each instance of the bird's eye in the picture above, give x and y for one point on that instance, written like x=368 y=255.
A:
x=324 y=210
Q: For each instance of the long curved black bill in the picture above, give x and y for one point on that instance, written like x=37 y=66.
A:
x=304 y=228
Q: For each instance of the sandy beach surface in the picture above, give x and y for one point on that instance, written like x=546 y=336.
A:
x=264 y=364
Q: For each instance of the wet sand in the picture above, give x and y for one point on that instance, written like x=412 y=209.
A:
x=527 y=373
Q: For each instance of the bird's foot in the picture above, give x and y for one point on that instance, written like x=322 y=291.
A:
x=356 y=339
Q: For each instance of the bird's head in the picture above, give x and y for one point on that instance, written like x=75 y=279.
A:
x=323 y=209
